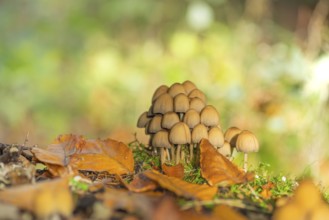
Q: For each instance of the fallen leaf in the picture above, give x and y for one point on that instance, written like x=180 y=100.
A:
x=217 y=169
x=306 y=203
x=167 y=209
x=224 y=212
x=182 y=188
x=140 y=183
x=74 y=152
x=43 y=198
x=175 y=171
x=266 y=190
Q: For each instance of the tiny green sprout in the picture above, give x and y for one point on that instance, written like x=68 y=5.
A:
x=78 y=184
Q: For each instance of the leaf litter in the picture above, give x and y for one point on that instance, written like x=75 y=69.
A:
x=106 y=179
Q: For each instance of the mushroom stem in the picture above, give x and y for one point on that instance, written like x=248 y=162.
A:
x=173 y=155
x=163 y=155
x=167 y=154
x=178 y=154
x=245 y=162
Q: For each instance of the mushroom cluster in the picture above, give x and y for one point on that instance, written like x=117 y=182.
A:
x=178 y=119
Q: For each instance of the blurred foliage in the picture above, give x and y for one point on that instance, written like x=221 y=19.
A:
x=90 y=67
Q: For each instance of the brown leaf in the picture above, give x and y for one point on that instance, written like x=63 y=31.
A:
x=174 y=171
x=43 y=198
x=217 y=169
x=73 y=151
x=182 y=188
x=141 y=183
x=224 y=212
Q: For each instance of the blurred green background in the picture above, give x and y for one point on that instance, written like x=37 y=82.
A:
x=91 y=67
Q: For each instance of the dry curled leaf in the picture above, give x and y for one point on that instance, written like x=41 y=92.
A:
x=43 y=198
x=224 y=212
x=182 y=188
x=175 y=171
x=306 y=203
x=217 y=169
x=140 y=183
x=76 y=153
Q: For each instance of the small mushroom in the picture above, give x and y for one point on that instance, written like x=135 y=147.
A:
x=181 y=104
x=191 y=118
x=188 y=86
x=161 y=140
x=164 y=103
x=231 y=135
x=197 y=93
x=197 y=104
x=216 y=137
x=159 y=91
x=199 y=131
x=154 y=124
x=169 y=119
x=179 y=135
x=142 y=120
x=176 y=89
x=209 y=116
x=225 y=150
x=246 y=142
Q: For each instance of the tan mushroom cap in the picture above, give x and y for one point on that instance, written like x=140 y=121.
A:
x=247 y=142
x=197 y=104
x=155 y=124
x=188 y=86
x=169 y=119
x=209 y=116
x=196 y=93
x=142 y=120
x=191 y=118
x=159 y=91
x=216 y=137
x=181 y=103
x=164 y=103
x=231 y=135
x=226 y=149
x=176 y=89
x=199 y=131
x=150 y=112
x=161 y=139
x=180 y=134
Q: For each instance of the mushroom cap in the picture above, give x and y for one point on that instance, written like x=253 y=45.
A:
x=142 y=120
x=159 y=91
x=216 y=137
x=197 y=93
x=176 y=89
x=181 y=103
x=150 y=112
x=247 y=142
x=191 y=118
x=231 y=132
x=155 y=124
x=209 y=116
x=169 y=119
x=188 y=86
x=231 y=135
x=161 y=139
x=164 y=103
x=199 y=131
x=197 y=104
x=180 y=134
x=226 y=149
